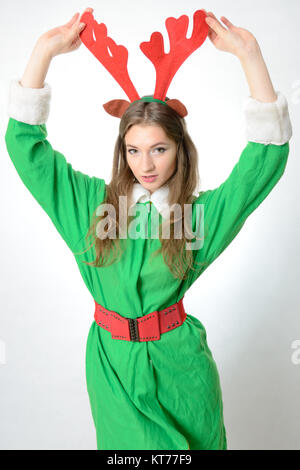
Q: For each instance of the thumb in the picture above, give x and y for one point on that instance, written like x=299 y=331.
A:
x=77 y=27
x=81 y=26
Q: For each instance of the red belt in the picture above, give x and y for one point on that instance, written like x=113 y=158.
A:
x=146 y=328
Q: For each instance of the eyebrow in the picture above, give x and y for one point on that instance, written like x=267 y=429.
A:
x=158 y=143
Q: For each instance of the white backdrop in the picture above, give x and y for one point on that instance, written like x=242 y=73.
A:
x=248 y=299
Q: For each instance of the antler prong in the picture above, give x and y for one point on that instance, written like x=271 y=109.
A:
x=166 y=65
x=94 y=37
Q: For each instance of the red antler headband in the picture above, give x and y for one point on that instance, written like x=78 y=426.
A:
x=94 y=37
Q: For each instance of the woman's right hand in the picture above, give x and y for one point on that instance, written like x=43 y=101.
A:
x=64 y=38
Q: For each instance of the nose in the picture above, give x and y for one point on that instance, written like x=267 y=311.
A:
x=147 y=163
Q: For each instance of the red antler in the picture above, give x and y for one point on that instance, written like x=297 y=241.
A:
x=94 y=37
x=166 y=65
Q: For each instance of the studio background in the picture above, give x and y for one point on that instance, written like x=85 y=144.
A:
x=248 y=299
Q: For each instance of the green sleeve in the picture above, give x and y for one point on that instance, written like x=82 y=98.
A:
x=65 y=194
x=226 y=208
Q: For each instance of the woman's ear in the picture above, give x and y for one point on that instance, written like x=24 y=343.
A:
x=116 y=108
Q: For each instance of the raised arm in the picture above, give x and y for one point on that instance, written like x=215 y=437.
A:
x=242 y=44
x=262 y=161
x=67 y=196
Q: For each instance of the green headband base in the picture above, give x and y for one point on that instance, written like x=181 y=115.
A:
x=150 y=98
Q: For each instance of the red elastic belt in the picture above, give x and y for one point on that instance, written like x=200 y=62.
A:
x=146 y=328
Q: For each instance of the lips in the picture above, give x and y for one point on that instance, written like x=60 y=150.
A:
x=149 y=179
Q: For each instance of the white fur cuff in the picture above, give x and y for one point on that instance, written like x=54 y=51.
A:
x=29 y=105
x=268 y=123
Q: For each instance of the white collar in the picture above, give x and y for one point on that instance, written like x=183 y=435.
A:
x=159 y=197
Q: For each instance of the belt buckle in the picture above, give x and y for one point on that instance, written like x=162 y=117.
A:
x=146 y=328
x=133 y=329
x=149 y=327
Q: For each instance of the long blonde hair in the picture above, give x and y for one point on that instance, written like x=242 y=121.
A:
x=182 y=185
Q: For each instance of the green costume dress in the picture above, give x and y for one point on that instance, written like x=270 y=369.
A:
x=163 y=394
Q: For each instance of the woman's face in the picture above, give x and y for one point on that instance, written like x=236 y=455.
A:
x=150 y=152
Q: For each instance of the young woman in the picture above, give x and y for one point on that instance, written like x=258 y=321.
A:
x=152 y=382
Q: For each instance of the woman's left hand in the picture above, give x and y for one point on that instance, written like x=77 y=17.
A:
x=237 y=41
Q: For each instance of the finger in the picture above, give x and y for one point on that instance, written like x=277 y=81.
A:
x=211 y=15
x=87 y=10
x=72 y=20
x=212 y=35
x=227 y=22
x=215 y=25
x=76 y=18
x=76 y=29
